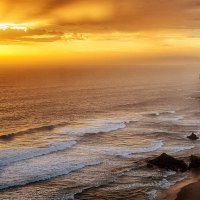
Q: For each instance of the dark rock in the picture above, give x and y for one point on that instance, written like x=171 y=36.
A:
x=168 y=162
x=194 y=162
x=192 y=137
x=6 y=137
x=149 y=165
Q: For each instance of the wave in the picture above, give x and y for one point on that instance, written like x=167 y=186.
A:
x=120 y=151
x=163 y=184
x=189 y=122
x=11 y=156
x=191 y=98
x=196 y=91
x=10 y=136
x=169 y=173
x=174 y=119
x=154 y=147
x=90 y=126
x=198 y=132
x=151 y=195
x=95 y=126
x=30 y=179
x=178 y=149
x=138 y=103
x=161 y=113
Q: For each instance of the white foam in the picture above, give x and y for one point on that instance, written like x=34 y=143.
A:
x=158 y=113
x=14 y=155
x=198 y=132
x=170 y=112
x=164 y=183
x=153 y=147
x=190 y=122
x=132 y=186
x=21 y=174
x=151 y=195
x=70 y=197
x=95 y=126
x=169 y=173
x=176 y=149
x=155 y=113
x=191 y=98
x=167 y=112
x=125 y=152
x=179 y=179
x=173 y=119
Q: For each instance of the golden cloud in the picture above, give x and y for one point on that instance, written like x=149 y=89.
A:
x=50 y=20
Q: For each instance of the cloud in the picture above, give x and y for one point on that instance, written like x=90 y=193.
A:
x=36 y=35
x=59 y=17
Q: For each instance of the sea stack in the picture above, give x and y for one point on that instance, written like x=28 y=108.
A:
x=168 y=162
x=194 y=162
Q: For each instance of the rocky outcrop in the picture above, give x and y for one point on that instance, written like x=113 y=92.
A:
x=6 y=137
x=168 y=162
x=194 y=162
x=192 y=137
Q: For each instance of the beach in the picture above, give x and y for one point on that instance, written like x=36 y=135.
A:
x=188 y=189
x=189 y=192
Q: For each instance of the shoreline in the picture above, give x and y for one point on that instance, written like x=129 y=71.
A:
x=187 y=189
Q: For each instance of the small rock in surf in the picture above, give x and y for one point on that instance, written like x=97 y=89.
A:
x=192 y=137
x=6 y=137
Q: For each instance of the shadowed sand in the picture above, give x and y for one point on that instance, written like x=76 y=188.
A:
x=189 y=189
x=190 y=192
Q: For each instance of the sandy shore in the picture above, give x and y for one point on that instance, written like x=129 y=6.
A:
x=189 y=189
x=190 y=192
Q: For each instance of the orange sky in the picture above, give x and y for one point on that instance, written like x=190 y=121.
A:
x=77 y=31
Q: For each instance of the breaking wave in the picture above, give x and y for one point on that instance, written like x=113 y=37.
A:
x=10 y=136
x=95 y=126
x=120 y=151
x=161 y=113
x=11 y=156
x=177 y=149
x=6 y=184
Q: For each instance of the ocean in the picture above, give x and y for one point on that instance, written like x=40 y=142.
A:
x=86 y=134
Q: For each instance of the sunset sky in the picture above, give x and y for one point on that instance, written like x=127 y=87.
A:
x=77 y=31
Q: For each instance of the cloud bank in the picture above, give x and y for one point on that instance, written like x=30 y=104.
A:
x=55 y=18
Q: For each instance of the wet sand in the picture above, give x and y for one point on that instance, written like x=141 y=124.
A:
x=188 y=189
x=190 y=192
